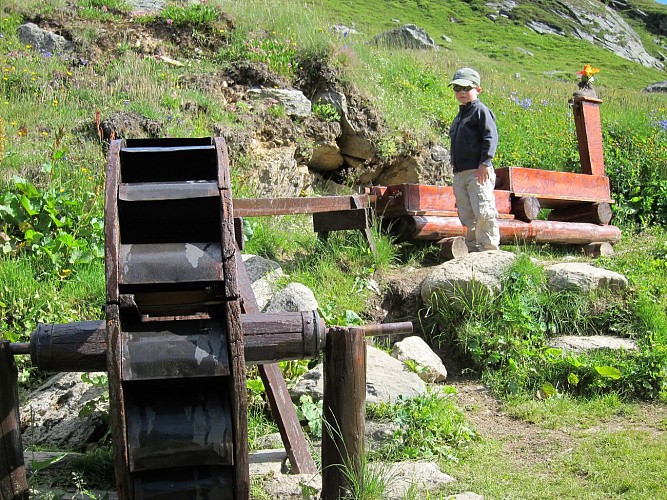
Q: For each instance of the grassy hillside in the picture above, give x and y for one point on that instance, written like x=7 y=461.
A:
x=53 y=154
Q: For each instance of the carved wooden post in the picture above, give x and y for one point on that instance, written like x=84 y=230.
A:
x=589 y=134
x=13 y=482
x=344 y=409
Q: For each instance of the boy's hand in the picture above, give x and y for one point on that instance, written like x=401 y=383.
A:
x=482 y=173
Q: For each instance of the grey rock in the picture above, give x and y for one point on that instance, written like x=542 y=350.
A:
x=415 y=349
x=656 y=87
x=407 y=36
x=582 y=276
x=592 y=343
x=294 y=297
x=294 y=102
x=404 y=476
x=263 y=275
x=44 y=41
x=386 y=379
x=50 y=418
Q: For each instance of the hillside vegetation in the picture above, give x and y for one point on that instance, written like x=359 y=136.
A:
x=171 y=69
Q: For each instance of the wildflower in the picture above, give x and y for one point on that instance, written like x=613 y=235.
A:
x=55 y=102
x=170 y=22
x=104 y=8
x=587 y=73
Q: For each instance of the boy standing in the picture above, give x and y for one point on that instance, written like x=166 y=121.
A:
x=474 y=139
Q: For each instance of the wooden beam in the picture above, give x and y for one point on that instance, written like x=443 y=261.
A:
x=257 y=207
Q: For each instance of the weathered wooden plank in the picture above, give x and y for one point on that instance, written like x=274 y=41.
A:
x=210 y=482
x=191 y=427
x=255 y=207
x=117 y=403
x=325 y=222
x=232 y=317
x=111 y=228
x=589 y=134
x=175 y=349
x=344 y=409
x=552 y=188
x=13 y=480
x=421 y=199
x=150 y=264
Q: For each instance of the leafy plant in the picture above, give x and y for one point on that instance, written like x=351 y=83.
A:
x=326 y=112
x=426 y=426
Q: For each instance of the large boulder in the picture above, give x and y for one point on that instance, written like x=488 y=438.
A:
x=463 y=280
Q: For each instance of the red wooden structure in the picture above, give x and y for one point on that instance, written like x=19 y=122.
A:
x=580 y=203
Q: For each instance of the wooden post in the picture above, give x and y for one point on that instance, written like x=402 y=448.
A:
x=344 y=410
x=589 y=134
x=13 y=481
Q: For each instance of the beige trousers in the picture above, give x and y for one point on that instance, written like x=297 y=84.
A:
x=476 y=205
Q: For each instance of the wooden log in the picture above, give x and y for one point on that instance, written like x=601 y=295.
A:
x=82 y=346
x=453 y=248
x=595 y=213
x=73 y=347
x=539 y=231
x=526 y=208
x=13 y=480
x=598 y=249
x=344 y=410
x=336 y=221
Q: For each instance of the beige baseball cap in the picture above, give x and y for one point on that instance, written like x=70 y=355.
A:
x=466 y=77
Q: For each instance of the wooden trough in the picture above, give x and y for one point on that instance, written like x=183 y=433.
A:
x=579 y=203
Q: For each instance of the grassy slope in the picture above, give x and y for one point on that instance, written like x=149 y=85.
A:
x=496 y=47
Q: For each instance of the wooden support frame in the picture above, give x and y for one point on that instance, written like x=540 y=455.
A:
x=13 y=479
x=330 y=213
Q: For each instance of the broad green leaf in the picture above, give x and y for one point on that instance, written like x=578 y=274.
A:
x=549 y=390
x=572 y=379
x=608 y=372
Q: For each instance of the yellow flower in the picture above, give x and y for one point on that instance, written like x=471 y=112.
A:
x=588 y=71
x=55 y=102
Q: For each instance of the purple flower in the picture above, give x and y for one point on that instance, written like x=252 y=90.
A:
x=663 y=124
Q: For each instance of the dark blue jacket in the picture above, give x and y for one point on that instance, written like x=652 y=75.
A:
x=474 y=136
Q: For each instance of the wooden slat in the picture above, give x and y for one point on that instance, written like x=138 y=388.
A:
x=255 y=207
x=158 y=191
x=589 y=134
x=175 y=349
x=190 y=427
